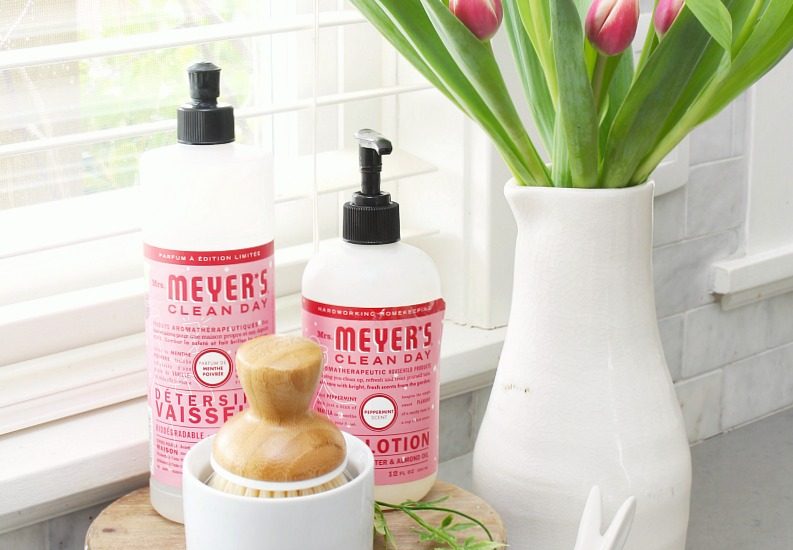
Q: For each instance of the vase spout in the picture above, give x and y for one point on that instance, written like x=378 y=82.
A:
x=584 y=251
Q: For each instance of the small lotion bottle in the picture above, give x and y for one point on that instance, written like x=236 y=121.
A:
x=208 y=245
x=374 y=304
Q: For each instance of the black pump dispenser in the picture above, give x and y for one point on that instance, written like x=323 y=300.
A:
x=203 y=121
x=371 y=217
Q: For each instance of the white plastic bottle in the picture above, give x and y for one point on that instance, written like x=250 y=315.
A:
x=374 y=304
x=208 y=236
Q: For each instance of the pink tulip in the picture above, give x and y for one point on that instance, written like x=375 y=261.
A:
x=482 y=17
x=611 y=24
x=665 y=14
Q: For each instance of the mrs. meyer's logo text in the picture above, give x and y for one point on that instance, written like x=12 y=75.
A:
x=377 y=346
x=209 y=295
x=384 y=340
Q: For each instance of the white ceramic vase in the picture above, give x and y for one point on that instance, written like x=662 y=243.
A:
x=582 y=395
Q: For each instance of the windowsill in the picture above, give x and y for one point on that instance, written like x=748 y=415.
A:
x=70 y=464
x=754 y=277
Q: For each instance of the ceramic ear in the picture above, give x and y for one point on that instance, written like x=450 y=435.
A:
x=616 y=535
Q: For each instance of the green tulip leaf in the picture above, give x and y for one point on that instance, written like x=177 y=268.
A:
x=380 y=20
x=476 y=60
x=405 y=24
x=620 y=85
x=714 y=51
x=639 y=123
x=536 y=18
x=768 y=44
x=769 y=21
x=651 y=42
x=751 y=62
x=532 y=76
x=577 y=110
x=582 y=6
x=714 y=63
x=744 y=19
x=716 y=19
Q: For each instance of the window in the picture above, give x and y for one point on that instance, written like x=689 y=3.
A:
x=93 y=83
x=766 y=270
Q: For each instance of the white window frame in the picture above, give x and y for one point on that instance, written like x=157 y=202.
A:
x=766 y=268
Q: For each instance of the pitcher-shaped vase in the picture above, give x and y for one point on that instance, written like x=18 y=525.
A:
x=582 y=395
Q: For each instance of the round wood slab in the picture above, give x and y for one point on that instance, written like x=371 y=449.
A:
x=130 y=523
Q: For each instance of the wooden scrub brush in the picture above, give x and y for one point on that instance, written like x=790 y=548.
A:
x=278 y=447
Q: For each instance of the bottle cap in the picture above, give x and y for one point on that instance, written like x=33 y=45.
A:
x=371 y=217
x=203 y=121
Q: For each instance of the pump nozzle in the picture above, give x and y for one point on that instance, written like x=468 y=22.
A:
x=203 y=121
x=371 y=217
x=204 y=84
x=371 y=148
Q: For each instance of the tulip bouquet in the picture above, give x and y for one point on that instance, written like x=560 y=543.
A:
x=605 y=117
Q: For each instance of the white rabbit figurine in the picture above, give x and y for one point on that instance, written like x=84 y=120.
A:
x=589 y=537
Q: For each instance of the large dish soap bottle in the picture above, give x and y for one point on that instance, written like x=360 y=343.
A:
x=374 y=304
x=208 y=243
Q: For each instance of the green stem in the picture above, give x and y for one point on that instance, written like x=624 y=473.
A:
x=388 y=536
x=536 y=167
x=525 y=147
x=419 y=506
x=597 y=80
x=466 y=516
x=751 y=22
x=647 y=48
x=560 y=165
x=537 y=19
x=450 y=540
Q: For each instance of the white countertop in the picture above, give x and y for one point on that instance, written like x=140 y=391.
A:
x=742 y=497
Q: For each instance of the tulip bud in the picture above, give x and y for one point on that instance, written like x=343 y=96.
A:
x=482 y=17
x=665 y=14
x=611 y=24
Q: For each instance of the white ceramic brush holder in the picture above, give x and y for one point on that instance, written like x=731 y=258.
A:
x=339 y=518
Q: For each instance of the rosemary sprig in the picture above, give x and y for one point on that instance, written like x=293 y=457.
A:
x=444 y=533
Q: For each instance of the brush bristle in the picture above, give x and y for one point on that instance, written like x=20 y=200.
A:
x=216 y=481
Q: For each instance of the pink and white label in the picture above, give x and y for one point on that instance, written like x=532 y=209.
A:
x=381 y=381
x=200 y=307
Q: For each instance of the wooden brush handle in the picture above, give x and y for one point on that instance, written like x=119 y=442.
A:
x=279 y=375
x=279 y=437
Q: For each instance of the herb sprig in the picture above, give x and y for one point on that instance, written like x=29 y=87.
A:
x=445 y=533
